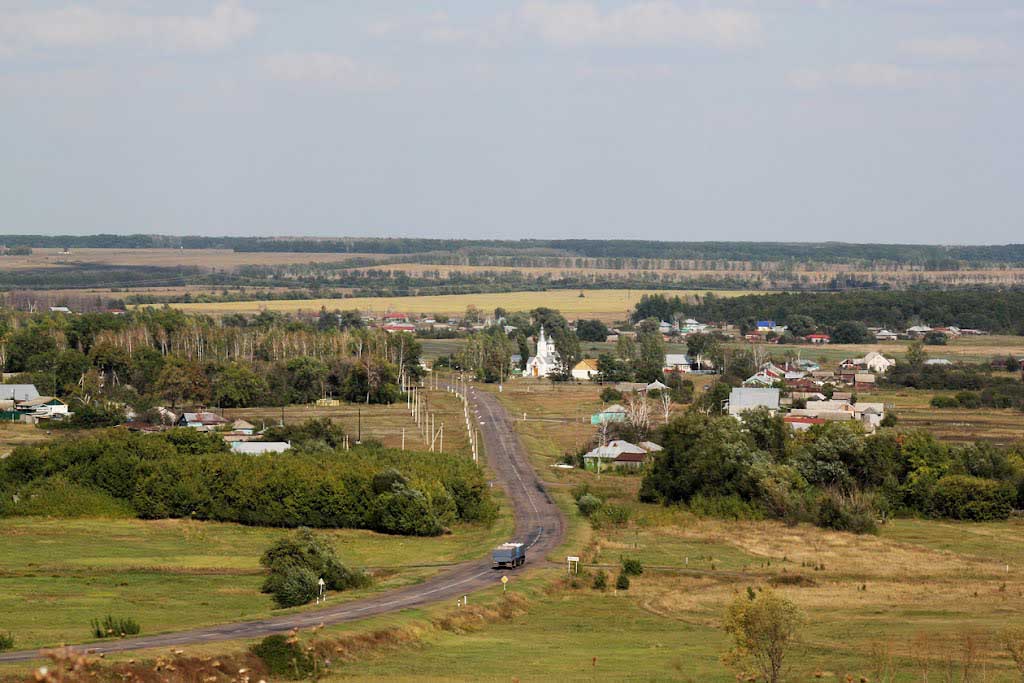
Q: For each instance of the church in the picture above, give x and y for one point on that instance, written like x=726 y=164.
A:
x=546 y=360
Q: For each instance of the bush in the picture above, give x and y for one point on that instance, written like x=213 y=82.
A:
x=610 y=395
x=622 y=582
x=6 y=641
x=114 y=627
x=610 y=515
x=600 y=581
x=632 y=566
x=973 y=498
x=283 y=657
x=945 y=402
x=291 y=585
x=297 y=563
x=968 y=399
x=588 y=504
x=853 y=513
x=404 y=511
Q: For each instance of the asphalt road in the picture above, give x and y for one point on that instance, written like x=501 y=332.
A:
x=538 y=523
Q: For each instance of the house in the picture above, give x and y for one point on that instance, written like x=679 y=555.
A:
x=613 y=451
x=864 y=381
x=743 y=399
x=691 y=326
x=761 y=379
x=818 y=338
x=546 y=360
x=399 y=327
x=203 y=421
x=59 y=309
x=886 y=335
x=243 y=427
x=585 y=369
x=45 y=407
x=918 y=331
x=870 y=415
x=873 y=361
x=656 y=386
x=650 y=446
x=938 y=361
x=802 y=423
x=613 y=413
x=665 y=327
x=766 y=325
x=677 y=362
x=18 y=392
x=260 y=447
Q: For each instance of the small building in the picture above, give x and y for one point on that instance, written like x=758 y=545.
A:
x=586 y=369
x=613 y=413
x=818 y=338
x=203 y=421
x=766 y=325
x=802 y=423
x=616 y=451
x=59 y=309
x=864 y=381
x=656 y=385
x=243 y=427
x=938 y=361
x=677 y=362
x=743 y=399
x=45 y=407
x=918 y=331
x=18 y=392
x=260 y=447
x=886 y=335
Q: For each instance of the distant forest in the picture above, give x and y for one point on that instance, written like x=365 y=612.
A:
x=934 y=257
x=993 y=310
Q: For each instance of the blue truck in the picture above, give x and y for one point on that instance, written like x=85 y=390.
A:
x=509 y=555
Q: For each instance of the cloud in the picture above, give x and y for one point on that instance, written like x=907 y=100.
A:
x=654 y=22
x=326 y=69
x=956 y=49
x=78 y=26
x=860 y=75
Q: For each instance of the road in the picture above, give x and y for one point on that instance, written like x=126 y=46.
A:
x=538 y=523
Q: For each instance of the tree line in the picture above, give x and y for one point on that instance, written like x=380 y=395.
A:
x=185 y=473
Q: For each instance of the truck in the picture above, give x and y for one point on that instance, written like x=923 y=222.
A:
x=509 y=555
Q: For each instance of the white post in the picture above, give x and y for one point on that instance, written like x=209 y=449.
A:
x=403 y=438
x=442 y=438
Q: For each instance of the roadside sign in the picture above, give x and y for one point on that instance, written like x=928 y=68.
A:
x=504 y=584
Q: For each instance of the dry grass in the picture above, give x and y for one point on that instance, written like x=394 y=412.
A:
x=13 y=435
x=605 y=304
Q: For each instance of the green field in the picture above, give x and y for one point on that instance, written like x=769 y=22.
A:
x=57 y=575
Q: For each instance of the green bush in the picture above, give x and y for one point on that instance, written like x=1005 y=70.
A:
x=632 y=566
x=283 y=657
x=58 y=497
x=404 y=511
x=291 y=585
x=622 y=582
x=114 y=627
x=600 y=580
x=6 y=641
x=945 y=402
x=610 y=395
x=973 y=498
x=610 y=515
x=588 y=504
x=968 y=399
x=846 y=513
x=297 y=562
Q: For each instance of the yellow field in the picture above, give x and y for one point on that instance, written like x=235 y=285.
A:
x=605 y=304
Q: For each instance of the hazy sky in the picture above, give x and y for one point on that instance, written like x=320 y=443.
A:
x=851 y=120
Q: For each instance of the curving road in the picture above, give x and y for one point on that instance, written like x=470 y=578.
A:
x=538 y=523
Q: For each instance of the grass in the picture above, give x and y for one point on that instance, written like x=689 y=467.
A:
x=605 y=304
x=57 y=575
x=16 y=434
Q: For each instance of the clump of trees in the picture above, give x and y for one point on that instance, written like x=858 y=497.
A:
x=296 y=563
x=833 y=475
x=185 y=473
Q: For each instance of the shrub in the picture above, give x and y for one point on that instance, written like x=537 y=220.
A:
x=588 y=504
x=853 y=512
x=632 y=566
x=291 y=585
x=284 y=657
x=296 y=564
x=945 y=402
x=610 y=395
x=600 y=581
x=404 y=511
x=6 y=641
x=973 y=498
x=968 y=399
x=610 y=515
x=622 y=582
x=114 y=627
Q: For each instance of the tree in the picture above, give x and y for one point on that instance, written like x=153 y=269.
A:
x=306 y=376
x=237 y=386
x=567 y=346
x=650 y=360
x=801 y=325
x=935 y=339
x=764 y=627
x=591 y=330
x=851 y=332
x=183 y=381
x=916 y=355
x=638 y=413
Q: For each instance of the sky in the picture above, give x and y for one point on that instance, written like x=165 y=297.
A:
x=774 y=120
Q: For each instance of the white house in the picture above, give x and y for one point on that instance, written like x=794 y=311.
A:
x=546 y=360
x=690 y=326
x=886 y=335
x=677 y=362
x=260 y=447
x=585 y=369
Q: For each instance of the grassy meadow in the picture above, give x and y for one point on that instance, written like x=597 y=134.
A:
x=57 y=575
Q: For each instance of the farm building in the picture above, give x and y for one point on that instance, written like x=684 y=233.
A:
x=585 y=369
x=743 y=399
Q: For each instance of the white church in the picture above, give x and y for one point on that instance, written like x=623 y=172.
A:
x=546 y=360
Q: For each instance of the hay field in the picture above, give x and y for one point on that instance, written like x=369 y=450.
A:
x=218 y=259
x=605 y=304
